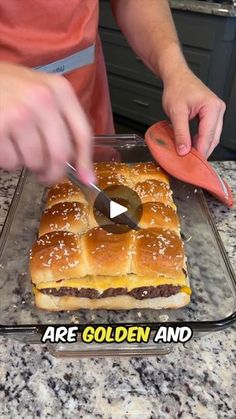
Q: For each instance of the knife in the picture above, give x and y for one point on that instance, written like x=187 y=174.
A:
x=99 y=199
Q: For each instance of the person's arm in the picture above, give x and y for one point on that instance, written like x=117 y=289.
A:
x=42 y=124
x=149 y=29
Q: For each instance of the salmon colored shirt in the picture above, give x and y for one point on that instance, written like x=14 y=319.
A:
x=37 y=32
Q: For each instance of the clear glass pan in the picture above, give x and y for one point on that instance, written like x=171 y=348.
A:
x=213 y=303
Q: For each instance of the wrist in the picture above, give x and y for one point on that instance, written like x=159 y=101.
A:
x=172 y=63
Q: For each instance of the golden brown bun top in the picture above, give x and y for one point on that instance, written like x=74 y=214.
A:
x=158 y=251
x=155 y=250
x=107 y=253
x=152 y=190
x=131 y=173
x=66 y=216
x=108 y=168
x=55 y=256
x=105 y=180
x=63 y=255
x=147 y=179
x=66 y=210
x=64 y=192
x=157 y=214
x=148 y=170
x=58 y=241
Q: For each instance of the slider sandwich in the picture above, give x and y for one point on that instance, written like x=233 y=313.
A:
x=77 y=264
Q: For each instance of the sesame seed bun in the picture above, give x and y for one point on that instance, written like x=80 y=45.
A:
x=158 y=214
x=65 y=216
x=73 y=252
x=64 y=192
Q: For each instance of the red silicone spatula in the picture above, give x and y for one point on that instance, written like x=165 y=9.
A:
x=192 y=168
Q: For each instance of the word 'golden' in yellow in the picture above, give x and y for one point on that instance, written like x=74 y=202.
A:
x=117 y=334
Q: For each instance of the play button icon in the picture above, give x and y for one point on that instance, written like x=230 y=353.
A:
x=116 y=209
x=124 y=212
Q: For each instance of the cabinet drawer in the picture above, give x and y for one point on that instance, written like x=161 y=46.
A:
x=134 y=101
x=197 y=30
x=194 y=29
x=106 y=19
x=121 y=60
x=199 y=61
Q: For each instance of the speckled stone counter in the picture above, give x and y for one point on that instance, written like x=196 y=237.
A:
x=196 y=380
x=208 y=7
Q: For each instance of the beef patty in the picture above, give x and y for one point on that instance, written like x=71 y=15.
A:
x=138 y=293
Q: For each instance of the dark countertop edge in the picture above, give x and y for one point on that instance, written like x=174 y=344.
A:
x=208 y=8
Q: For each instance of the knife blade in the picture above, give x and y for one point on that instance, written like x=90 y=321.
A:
x=99 y=199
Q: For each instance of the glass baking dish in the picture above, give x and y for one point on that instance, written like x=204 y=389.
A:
x=213 y=302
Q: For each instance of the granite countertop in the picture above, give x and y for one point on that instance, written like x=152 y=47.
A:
x=208 y=7
x=196 y=380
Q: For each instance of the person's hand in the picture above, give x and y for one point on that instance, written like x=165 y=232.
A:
x=186 y=97
x=42 y=125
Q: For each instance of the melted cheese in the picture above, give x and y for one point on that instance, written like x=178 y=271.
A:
x=101 y=283
x=187 y=290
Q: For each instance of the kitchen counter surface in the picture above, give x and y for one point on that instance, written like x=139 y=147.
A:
x=209 y=8
x=196 y=380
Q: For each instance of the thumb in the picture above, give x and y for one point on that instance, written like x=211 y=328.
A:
x=180 y=122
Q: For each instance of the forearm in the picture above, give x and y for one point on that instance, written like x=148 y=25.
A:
x=150 y=31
